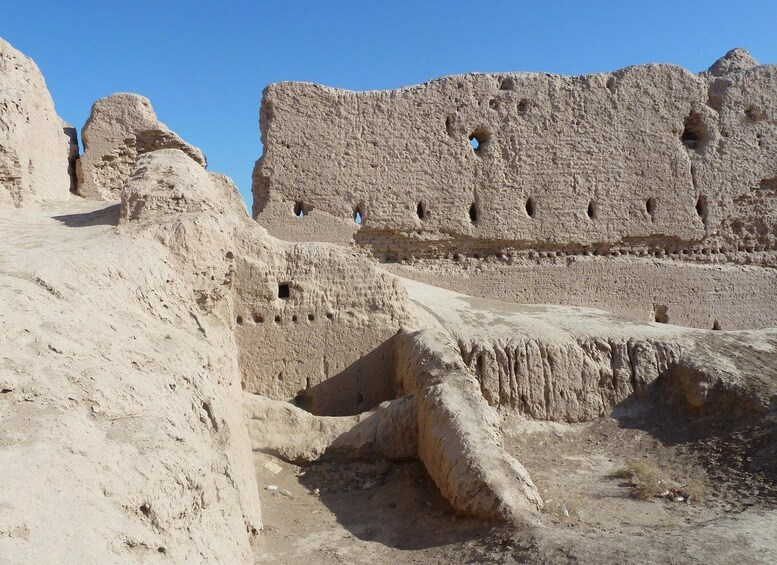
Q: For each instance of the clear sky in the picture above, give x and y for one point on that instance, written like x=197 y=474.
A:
x=204 y=64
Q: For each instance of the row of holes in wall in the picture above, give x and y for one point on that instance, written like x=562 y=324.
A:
x=278 y=319
x=530 y=207
x=693 y=136
x=284 y=293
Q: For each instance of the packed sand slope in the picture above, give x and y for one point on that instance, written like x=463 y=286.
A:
x=120 y=438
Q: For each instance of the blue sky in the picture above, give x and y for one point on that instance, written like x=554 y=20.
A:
x=204 y=64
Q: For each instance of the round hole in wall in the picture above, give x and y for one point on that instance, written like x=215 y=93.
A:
x=294 y=318
x=478 y=139
x=239 y=320
x=311 y=317
x=277 y=319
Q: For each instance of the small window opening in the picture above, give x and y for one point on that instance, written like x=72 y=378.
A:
x=277 y=319
x=716 y=325
x=258 y=319
x=591 y=209
x=421 y=211
x=357 y=215
x=694 y=131
x=530 y=207
x=701 y=207
x=650 y=207
x=299 y=209
x=239 y=320
x=478 y=139
x=283 y=290
x=473 y=213
x=294 y=318
x=311 y=317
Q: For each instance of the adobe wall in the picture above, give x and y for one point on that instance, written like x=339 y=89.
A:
x=315 y=324
x=672 y=174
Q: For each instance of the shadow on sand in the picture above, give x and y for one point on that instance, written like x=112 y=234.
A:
x=108 y=216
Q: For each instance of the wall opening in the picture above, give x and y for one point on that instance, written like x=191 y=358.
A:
x=283 y=290
x=530 y=207
x=478 y=139
x=473 y=213
x=694 y=132
x=716 y=325
x=701 y=208
x=591 y=209
x=421 y=211
x=650 y=207
x=661 y=313
x=299 y=209
x=357 y=215
x=239 y=320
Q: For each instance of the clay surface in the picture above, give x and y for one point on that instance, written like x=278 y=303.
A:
x=603 y=178
x=121 y=127
x=33 y=147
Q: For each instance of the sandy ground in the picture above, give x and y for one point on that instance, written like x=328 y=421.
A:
x=392 y=513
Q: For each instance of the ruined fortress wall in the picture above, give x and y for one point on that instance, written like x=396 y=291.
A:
x=315 y=324
x=644 y=163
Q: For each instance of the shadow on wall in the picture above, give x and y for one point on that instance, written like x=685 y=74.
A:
x=361 y=386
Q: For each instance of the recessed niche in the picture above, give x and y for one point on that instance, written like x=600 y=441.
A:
x=478 y=139
x=661 y=313
x=358 y=216
x=473 y=213
x=258 y=319
x=650 y=207
x=283 y=290
x=507 y=83
x=530 y=207
x=311 y=318
x=421 y=211
x=694 y=132
x=716 y=325
x=300 y=209
x=239 y=320
x=701 y=208
x=591 y=209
